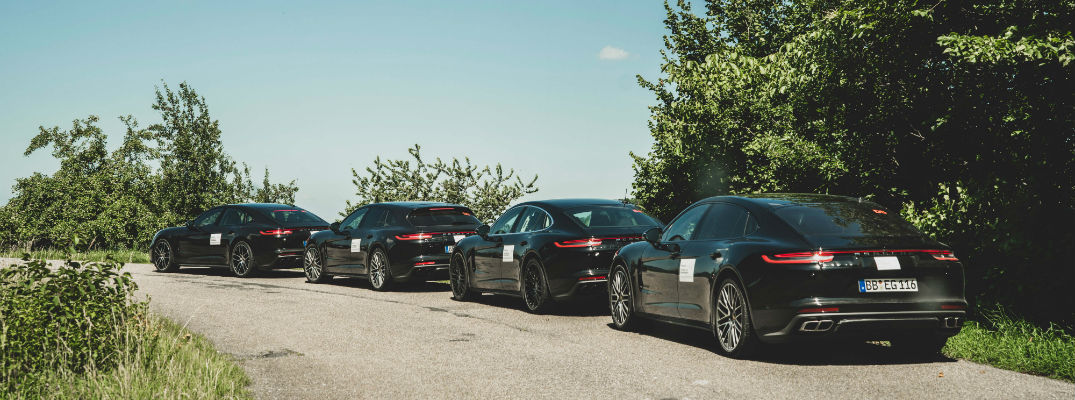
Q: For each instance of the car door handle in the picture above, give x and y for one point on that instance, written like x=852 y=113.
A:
x=522 y=243
x=715 y=255
x=369 y=236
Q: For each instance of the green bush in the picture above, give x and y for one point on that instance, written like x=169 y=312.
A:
x=68 y=318
x=1015 y=344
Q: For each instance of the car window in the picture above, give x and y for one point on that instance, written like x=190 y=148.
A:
x=683 y=227
x=295 y=217
x=208 y=218
x=845 y=220
x=610 y=216
x=351 y=222
x=234 y=217
x=506 y=221
x=375 y=218
x=533 y=219
x=724 y=221
x=442 y=216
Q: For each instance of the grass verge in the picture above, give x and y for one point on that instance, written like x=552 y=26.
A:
x=162 y=361
x=1007 y=342
x=126 y=256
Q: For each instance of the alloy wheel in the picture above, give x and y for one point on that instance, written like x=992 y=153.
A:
x=730 y=316
x=312 y=262
x=377 y=266
x=458 y=277
x=534 y=288
x=620 y=298
x=240 y=259
x=162 y=256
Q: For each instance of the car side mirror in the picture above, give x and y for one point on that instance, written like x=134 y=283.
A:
x=334 y=227
x=653 y=236
x=483 y=231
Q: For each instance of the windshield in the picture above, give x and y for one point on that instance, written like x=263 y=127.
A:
x=442 y=216
x=292 y=217
x=610 y=216
x=845 y=219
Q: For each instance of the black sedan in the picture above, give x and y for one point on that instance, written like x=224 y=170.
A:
x=783 y=267
x=546 y=250
x=243 y=237
x=389 y=243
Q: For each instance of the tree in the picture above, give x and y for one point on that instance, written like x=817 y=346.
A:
x=961 y=114
x=487 y=191
x=118 y=198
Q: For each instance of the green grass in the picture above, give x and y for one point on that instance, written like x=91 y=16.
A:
x=161 y=361
x=1004 y=341
x=126 y=256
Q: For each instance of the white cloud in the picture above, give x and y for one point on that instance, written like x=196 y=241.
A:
x=612 y=53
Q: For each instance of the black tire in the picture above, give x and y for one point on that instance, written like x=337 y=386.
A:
x=535 y=288
x=380 y=274
x=241 y=260
x=457 y=276
x=163 y=257
x=313 y=265
x=924 y=345
x=730 y=321
x=620 y=299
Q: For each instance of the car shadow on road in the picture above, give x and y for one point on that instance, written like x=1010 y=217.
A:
x=807 y=353
x=225 y=272
x=581 y=306
x=409 y=287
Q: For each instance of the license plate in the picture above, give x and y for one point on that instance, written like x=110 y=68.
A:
x=448 y=249
x=888 y=285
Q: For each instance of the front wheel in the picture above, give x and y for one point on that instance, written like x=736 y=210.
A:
x=731 y=321
x=457 y=271
x=619 y=300
x=163 y=257
x=380 y=275
x=535 y=288
x=314 y=266
x=242 y=260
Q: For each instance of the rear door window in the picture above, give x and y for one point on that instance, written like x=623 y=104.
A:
x=845 y=219
x=235 y=217
x=375 y=218
x=208 y=218
x=724 y=221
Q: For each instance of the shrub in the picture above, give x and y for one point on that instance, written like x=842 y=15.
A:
x=68 y=318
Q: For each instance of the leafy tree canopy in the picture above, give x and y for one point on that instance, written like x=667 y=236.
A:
x=960 y=113
x=488 y=191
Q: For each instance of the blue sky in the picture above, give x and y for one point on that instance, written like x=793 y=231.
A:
x=311 y=90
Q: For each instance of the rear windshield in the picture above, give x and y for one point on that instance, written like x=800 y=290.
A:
x=598 y=216
x=845 y=219
x=295 y=217
x=442 y=216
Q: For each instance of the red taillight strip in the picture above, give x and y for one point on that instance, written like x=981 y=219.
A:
x=277 y=232
x=440 y=208
x=798 y=258
x=592 y=242
x=819 y=310
x=593 y=278
x=415 y=236
x=953 y=307
x=425 y=263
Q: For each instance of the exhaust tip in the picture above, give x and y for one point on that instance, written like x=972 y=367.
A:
x=816 y=326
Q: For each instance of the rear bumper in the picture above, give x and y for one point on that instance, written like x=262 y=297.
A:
x=282 y=258
x=868 y=325
x=422 y=267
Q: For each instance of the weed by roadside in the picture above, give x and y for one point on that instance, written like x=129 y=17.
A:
x=1004 y=341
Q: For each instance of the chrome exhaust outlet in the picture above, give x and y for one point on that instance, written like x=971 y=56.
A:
x=816 y=326
x=953 y=322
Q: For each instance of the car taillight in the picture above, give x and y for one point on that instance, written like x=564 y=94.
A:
x=415 y=236
x=953 y=307
x=591 y=242
x=593 y=278
x=819 y=310
x=425 y=263
x=799 y=258
x=942 y=255
x=277 y=232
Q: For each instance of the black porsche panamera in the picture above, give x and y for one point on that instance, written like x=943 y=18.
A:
x=545 y=251
x=786 y=267
x=244 y=237
x=389 y=243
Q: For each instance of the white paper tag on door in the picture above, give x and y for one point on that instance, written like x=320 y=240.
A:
x=457 y=238
x=509 y=253
x=214 y=239
x=356 y=245
x=887 y=263
x=686 y=270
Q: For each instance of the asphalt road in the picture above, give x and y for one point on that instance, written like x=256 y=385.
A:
x=344 y=340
